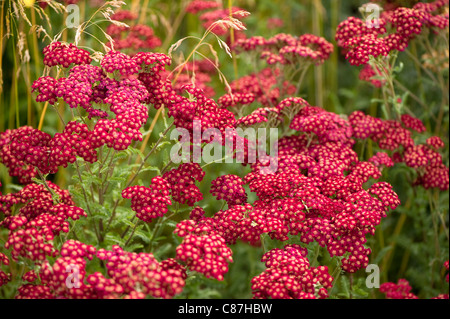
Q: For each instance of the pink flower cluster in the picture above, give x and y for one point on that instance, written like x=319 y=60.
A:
x=38 y=221
x=58 y=53
x=199 y=108
x=28 y=148
x=317 y=192
x=368 y=74
x=135 y=37
x=360 y=39
x=287 y=49
x=400 y=290
x=195 y=6
x=137 y=81
x=397 y=137
x=149 y=202
x=130 y=275
x=203 y=249
x=263 y=85
x=229 y=188
x=231 y=224
x=182 y=183
x=290 y=276
x=16 y=168
x=4 y=277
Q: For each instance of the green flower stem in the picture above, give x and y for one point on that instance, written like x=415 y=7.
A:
x=132 y=233
x=159 y=226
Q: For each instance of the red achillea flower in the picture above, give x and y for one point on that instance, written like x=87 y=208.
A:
x=203 y=250
x=263 y=86
x=258 y=116
x=4 y=277
x=87 y=84
x=38 y=149
x=285 y=49
x=130 y=276
x=273 y=23
x=30 y=276
x=290 y=276
x=230 y=100
x=36 y=224
x=408 y=22
x=208 y=18
x=195 y=6
x=413 y=123
x=149 y=202
x=117 y=61
x=231 y=224
x=317 y=191
x=401 y=290
x=354 y=27
x=182 y=183
x=199 y=109
x=45 y=86
x=361 y=48
x=446 y=266
x=58 y=53
x=229 y=188
x=141 y=274
x=381 y=159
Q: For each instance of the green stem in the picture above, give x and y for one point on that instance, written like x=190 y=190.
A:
x=113 y=213
x=132 y=233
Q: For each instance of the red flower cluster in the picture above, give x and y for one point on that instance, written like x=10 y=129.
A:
x=290 y=276
x=17 y=168
x=231 y=224
x=286 y=49
x=38 y=221
x=317 y=191
x=182 y=183
x=360 y=39
x=397 y=136
x=29 y=148
x=149 y=202
x=208 y=18
x=446 y=266
x=138 y=36
x=401 y=290
x=58 y=53
x=237 y=99
x=229 y=188
x=4 y=277
x=198 y=108
x=141 y=274
x=263 y=85
x=195 y=6
x=203 y=249
x=130 y=275
x=88 y=85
